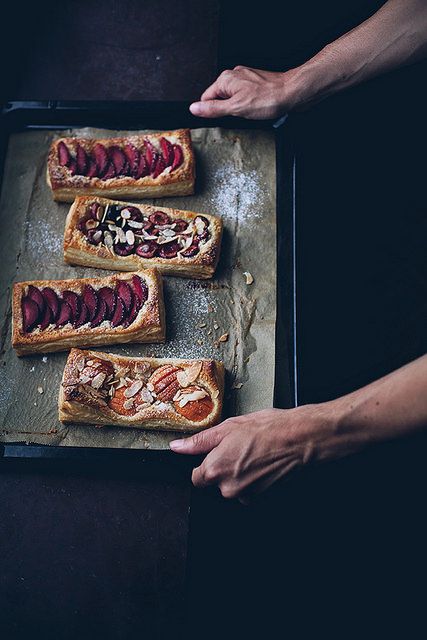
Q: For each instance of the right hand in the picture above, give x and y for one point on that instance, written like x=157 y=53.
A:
x=249 y=93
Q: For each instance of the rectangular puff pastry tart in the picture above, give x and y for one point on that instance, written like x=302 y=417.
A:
x=110 y=234
x=152 y=165
x=168 y=394
x=54 y=315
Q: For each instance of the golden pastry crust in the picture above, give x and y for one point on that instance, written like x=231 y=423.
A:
x=148 y=326
x=179 y=182
x=78 y=251
x=78 y=403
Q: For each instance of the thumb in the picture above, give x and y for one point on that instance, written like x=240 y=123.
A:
x=202 y=442
x=212 y=108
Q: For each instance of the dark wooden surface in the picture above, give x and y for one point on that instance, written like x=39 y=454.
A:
x=336 y=551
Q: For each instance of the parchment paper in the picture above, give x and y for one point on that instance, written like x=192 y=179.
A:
x=235 y=180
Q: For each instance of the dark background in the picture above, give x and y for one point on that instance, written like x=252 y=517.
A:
x=339 y=550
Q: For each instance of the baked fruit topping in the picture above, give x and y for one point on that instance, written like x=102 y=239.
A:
x=127 y=230
x=106 y=162
x=120 y=306
x=132 y=388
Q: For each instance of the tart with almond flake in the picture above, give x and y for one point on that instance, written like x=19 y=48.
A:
x=110 y=234
x=151 y=393
x=54 y=315
x=152 y=165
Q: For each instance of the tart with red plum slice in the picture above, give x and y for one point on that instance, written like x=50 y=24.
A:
x=151 y=393
x=149 y=165
x=54 y=315
x=110 y=234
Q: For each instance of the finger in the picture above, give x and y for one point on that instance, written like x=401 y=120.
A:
x=212 y=108
x=202 y=442
x=205 y=475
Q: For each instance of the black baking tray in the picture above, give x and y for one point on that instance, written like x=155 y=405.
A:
x=19 y=116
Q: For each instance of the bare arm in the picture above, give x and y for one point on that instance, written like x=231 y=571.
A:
x=394 y=36
x=248 y=453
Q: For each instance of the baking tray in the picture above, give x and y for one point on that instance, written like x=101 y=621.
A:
x=21 y=116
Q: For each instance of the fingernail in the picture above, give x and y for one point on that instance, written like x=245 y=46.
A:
x=177 y=444
x=195 y=108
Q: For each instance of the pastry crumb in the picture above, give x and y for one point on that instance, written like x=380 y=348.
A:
x=237 y=385
x=215 y=326
x=249 y=277
x=223 y=338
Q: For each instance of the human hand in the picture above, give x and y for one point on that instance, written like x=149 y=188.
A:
x=250 y=93
x=247 y=454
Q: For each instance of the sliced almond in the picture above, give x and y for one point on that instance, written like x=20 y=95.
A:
x=125 y=213
x=84 y=379
x=80 y=364
x=133 y=389
x=121 y=235
x=99 y=213
x=215 y=393
x=122 y=383
x=146 y=395
x=189 y=374
x=215 y=326
x=128 y=404
x=249 y=277
x=223 y=338
x=150 y=387
x=168 y=233
x=98 y=380
x=91 y=224
x=130 y=237
x=97 y=235
x=40 y=390
x=135 y=225
x=108 y=240
x=200 y=225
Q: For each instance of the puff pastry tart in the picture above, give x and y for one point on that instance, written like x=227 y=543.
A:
x=53 y=315
x=141 y=166
x=110 y=234
x=169 y=394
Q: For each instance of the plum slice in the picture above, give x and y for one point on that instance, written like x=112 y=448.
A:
x=147 y=249
x=124 y=291
x=132 y=313
x=83 y=316
x=191 y=250
x=180 y=225
x=101 y=314
x=64 y=156
x=75 y=303
x=167 y=150
x=101 y=158
x=109 y=296
x=119 y=313
x=47 y=318
x=169 y=250
x=90 y=299
x=124 y=249
x=132 y=154
x=65 y=314
x=140 y=289
x=143 y=168
x=82 y=160
x=52 y=301
x=150 y=155
x=118 y=159
x=110 y=172
x=159 y=218
x=36 y=295
x=92 y=169
x=30 y=313
x=73 y=167
x=159 y=168
x=178 y=157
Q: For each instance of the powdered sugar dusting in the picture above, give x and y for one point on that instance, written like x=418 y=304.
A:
x=43 y=239
x=237 y=194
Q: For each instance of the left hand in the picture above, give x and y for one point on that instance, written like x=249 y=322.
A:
x=248 y=453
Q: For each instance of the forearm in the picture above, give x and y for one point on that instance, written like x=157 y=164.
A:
x=390 y=407
x=394 y=36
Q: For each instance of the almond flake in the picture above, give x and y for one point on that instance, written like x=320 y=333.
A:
x=146 y=395
x=108 y=240
x=91 y=224
x=97 y=235
x=135 y=225
x=215 y=326
x=80 y=364
x=249 y=277
x=121 y=235
x=200 y=226
x=130 y=237
x=215 y=393
x=84 y=379
x=99 y=213
x=125 y=213
x=98 y=380
x=223 y=338
x=128 y=404
x=40 y=390
x=150 y=387
x=191 y=397
x=189 y=375
x=202 y=325
x=141 y=407
x=133 y=389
